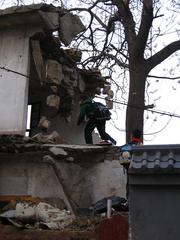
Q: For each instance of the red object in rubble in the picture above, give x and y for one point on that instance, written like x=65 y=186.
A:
x=115 y=228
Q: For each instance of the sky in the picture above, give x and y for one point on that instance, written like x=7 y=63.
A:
x=158 y=129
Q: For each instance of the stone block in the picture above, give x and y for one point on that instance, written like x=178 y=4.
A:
x=44 y=123
x=110 y=93
x=109 y=103
x=74 y=54
x=98 y=90
x=54 y=89
x=53 y=101
x=106 y=89
x=67 y=69
x=54 y=72
x=58 y=151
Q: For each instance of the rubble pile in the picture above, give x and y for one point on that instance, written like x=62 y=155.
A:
x=36 y=214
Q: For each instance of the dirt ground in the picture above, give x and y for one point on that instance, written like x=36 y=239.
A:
x=8 y=232
x=115 y=228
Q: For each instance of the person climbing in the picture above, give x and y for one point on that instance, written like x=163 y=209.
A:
x=90 y=110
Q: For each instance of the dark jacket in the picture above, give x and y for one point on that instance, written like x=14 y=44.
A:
x=86 y=110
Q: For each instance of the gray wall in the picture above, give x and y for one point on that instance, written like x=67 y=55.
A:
x=72 y=133
x=154 y=207
x=14 y=55
x=86 y=183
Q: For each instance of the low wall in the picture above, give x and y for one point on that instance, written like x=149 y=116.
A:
x=84 y=181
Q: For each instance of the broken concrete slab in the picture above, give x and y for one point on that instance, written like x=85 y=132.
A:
x=70 y=27
x=58 y=151
x=46 y=15
x=53 y=137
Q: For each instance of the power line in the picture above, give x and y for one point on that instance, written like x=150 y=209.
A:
x=149 y=110
x=115 y=101
x=154 y=111
x=10 y=70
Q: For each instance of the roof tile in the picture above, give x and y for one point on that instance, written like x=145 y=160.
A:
x=155 y=159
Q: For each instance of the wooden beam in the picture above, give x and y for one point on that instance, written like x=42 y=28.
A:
x=38 y=59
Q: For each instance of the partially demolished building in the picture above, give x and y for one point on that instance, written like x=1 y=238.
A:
x=54 y=165
x=36 y=70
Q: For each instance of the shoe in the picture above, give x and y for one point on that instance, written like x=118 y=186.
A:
x=113 y=142
x=106 y=142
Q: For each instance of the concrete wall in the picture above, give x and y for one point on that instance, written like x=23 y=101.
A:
x=27 y=174
x=14 y=55
x=69 y=130
x=107 y=178
x=154 y=207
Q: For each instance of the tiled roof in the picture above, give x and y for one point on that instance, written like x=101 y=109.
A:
x=155 y=159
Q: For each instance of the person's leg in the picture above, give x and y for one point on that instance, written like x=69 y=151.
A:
x=88 y=131
x=101 y=126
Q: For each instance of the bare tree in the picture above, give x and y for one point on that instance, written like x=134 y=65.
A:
x=121 y=38
x=124 y=33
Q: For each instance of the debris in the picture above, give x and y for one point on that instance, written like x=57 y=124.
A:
x=70 y=26
x=30 y=215
x=54 y=73
x=118 y=204
x=109 y=102
x=44 y=123
x=106 y=89
x=54 y=137
x=58 y=151
x=8 y=214
x=53 y=101
x=70 y=159
x=75 y=54
x=110 y=93
x=25 y=212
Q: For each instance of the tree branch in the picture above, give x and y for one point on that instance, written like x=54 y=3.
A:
x=162 y=54
x=126 y=18
x=118 y=62
x=91 y=13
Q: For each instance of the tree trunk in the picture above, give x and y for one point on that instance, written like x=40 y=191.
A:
x=135 y=108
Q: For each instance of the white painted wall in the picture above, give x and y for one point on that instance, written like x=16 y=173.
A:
x=29 y=175
x=14 y=55
x=108 y=179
